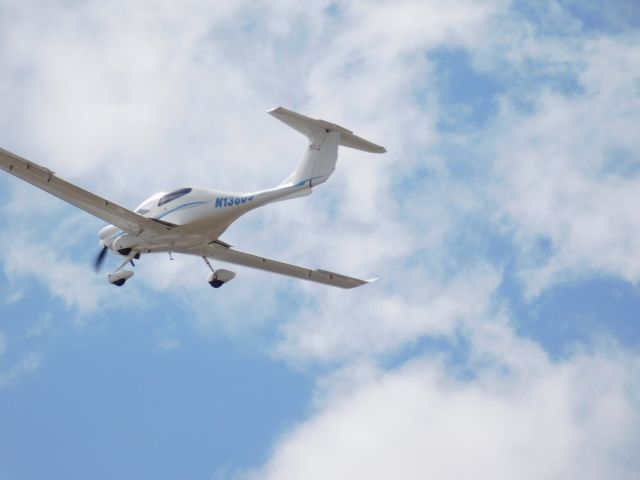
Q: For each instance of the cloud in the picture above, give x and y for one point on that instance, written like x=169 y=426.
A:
x=387 y=316
x=577 y=418
x=46 y=252
x=567 y=174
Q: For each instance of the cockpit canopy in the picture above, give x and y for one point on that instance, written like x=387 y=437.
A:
x=160 y=199
x=173 y=195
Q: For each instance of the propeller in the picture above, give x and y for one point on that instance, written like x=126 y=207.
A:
x=99 y=259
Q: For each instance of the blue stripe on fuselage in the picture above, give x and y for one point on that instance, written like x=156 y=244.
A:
x=179 y=207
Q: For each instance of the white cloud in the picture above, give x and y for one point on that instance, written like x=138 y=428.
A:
x=392 y=313
x=35 y=248
x=75 y=284
x=568 y=172
x=575 y=419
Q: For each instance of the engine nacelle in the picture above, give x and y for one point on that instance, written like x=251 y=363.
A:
x=107 y=233
x=124 y=244
x=220 y=277
x=118 y=278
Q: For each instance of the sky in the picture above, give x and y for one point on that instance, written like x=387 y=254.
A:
x=503 y=337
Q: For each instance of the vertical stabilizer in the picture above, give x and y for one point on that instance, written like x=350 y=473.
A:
x=319 y=161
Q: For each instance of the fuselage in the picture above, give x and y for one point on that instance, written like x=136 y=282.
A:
x=202 y=214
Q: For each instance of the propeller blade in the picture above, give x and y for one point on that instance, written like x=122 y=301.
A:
x=100 y=259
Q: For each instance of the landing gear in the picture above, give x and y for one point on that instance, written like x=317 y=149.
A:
x=217 y=278
x=119 y=277
x=214 y=282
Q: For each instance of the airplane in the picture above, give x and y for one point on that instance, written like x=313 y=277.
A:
x=190 y=220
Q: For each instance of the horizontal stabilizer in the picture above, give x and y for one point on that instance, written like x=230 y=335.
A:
x=309 y=126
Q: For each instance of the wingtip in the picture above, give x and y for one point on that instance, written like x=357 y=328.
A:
x=372 y=279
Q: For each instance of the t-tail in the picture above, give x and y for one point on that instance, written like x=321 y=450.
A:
x=319 y=161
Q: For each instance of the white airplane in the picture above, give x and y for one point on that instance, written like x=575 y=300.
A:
x=190 y=220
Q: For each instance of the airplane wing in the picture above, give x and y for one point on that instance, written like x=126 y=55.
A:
x=226 y=254
x=104 y=209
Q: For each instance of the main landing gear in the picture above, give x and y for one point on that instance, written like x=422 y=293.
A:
x=217 y=278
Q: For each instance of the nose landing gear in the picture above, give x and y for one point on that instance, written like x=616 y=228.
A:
x=120 y=276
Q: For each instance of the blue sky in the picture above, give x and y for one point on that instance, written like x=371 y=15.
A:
x=503 y=335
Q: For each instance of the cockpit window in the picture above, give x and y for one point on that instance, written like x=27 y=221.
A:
x=173 y=195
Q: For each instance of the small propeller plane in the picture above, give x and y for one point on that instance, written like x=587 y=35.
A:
x=190 y=220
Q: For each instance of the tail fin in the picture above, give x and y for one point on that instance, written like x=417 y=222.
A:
x=320 y=160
